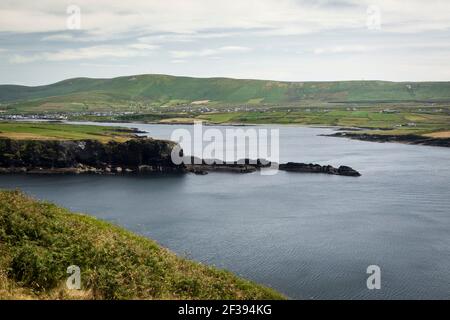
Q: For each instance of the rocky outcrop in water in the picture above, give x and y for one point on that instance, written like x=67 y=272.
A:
x=87 y=156
x=144 y=155
x=247 y=166
x=203 y=166
x=408 y=138
x=317 y=168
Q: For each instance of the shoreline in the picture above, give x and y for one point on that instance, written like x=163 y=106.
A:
x=197 y=169
x=343 y=132
x=410 y=139
x=134 y=156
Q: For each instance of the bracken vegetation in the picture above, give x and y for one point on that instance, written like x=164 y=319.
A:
x=39 y=240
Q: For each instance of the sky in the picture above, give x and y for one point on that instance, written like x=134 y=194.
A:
x=46 y=41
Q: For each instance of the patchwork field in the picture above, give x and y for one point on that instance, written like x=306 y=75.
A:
x=56 y=131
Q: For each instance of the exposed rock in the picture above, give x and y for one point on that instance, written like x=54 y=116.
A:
x=134 y=156
x=317 y=168
x=194 y=164
x=145 y=168
x=200 y=172
x=86 y=156
x=408 y=138
x=347 y=171
x=13 y=170
x=248 y=166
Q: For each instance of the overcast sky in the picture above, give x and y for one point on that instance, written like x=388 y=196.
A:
x=300 y=40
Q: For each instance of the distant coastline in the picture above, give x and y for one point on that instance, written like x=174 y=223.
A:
x=406 y=139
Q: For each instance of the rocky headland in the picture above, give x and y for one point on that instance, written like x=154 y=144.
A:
x=407 y=138
x=87 y=156
x=199 y=166
x=138 y=156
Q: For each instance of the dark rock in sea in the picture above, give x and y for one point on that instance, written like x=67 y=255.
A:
x=194 y=164
x=136 y=156
x=248 y=166
x=347 y=171
x=200 y=172
x=407 y=138
x=317 y=168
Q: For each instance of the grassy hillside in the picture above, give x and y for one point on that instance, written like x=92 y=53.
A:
x=56 y=131
x=83 y=94
x=39 y=240
x=405 y=121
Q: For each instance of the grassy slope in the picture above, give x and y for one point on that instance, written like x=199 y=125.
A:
x=109 y=94
x=53 y=131
x=408 y=120
x=396 y=123
x=39 y=240
x=138 y=93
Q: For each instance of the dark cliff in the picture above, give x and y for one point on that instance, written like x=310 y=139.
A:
x=143 y=155
x=88 y=155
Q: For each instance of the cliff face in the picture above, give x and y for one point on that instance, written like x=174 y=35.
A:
x=133 y=156
x=88 y=155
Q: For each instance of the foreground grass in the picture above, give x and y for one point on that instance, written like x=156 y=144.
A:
x=39 y=240
x=57 y=131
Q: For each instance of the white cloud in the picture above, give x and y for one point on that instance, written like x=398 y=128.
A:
x=292 y=39
x=143 y=46
x=343 y=49
x=106 y=17
x=59 y=37
x=105 y=65
x=208 y=52
x=87 y=53
x=185 y=37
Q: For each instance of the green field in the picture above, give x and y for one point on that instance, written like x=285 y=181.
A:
x=142 y=92
x=402 y=122
x=398 y=107
x=57 y=131
x=39 y=240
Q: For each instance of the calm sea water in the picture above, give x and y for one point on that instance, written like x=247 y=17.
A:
x=309 y=236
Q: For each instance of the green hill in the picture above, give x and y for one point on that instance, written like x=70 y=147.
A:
x=39 y=241
x=109 y=94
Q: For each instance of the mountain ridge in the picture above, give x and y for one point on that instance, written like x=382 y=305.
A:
x=161 y=89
